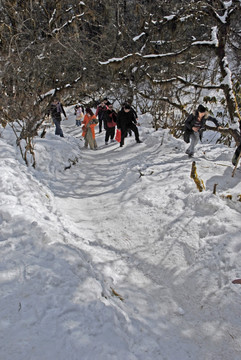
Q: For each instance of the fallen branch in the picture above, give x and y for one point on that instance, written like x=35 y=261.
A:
x=236 y=281
x=114 y=293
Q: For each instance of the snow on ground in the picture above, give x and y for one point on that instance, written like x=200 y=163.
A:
x=114 y=254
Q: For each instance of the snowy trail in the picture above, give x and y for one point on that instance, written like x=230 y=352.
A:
x=153 y=264
x=114 y=254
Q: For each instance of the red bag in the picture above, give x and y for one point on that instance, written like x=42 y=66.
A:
x=118 y=135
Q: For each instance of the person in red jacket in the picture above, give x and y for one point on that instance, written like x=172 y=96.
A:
x=110 y=120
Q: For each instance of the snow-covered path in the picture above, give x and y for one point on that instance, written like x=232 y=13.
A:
x=154 y=246
x=119 y=257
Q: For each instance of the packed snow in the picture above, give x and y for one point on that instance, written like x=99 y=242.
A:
x=114 y=254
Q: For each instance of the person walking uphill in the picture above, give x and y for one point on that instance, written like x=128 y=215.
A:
x=56 y=109
x=88 y=128
x=100 y=112
x=127 y=120
x=134 y=113
x=110 y=124
x=194 y=127
x=79 y=113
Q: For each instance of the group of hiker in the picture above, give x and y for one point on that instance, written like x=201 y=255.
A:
x=126 y=121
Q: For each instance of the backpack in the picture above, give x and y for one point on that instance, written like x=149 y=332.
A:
x=110 y=122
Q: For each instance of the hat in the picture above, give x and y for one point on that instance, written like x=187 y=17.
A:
x=201 y=109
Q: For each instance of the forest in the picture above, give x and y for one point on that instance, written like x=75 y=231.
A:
x=162 y=56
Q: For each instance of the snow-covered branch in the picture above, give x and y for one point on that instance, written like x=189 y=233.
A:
x=112 y=60
x=214 y=39
x=183 y=81
x=53 y=92
x=148 y=56
x=67 y=23
x=197 y=85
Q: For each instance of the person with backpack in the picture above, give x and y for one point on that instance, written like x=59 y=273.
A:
x=194 y=127
x=127 y=120
x=110 y=124
x=56 y=109
x=100 y=112
x=88 y=129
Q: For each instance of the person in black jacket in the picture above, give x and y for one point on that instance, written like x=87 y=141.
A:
x=134 y=113
x=56 y=109
x=127 y=120
x=194 y=127
x=100 y=112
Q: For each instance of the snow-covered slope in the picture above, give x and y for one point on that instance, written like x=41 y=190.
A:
x=118 y=256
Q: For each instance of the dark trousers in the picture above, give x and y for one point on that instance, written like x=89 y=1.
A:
x=110 y=133
x=132 y=127
x=237 y=151
x=100 y=125
x=58 y=130
x=128 y=132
